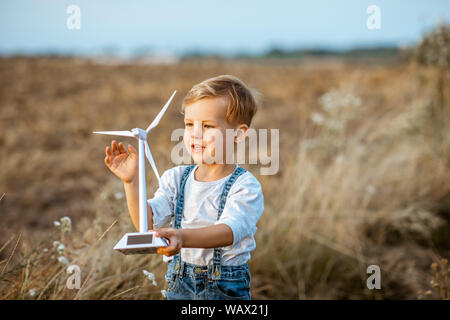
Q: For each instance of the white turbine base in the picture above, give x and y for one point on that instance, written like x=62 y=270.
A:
x=139 y=243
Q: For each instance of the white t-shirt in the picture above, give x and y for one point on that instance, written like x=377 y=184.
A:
x=242 y=210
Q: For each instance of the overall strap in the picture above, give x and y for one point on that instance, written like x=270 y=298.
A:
x=179 y=211
x=180 y=199
x=223 y=199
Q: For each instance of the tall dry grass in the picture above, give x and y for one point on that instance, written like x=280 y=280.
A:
x=375 y=194
x=364 y=176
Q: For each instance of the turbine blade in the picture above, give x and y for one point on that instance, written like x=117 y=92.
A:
x=160 y=114
x=148 y=153
x=116 y=133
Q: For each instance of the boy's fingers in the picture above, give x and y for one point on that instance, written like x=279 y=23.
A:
x=121 y=148
x=107 y=161
x=163 y=233
x=161 y=251
x=172 y=251
x=115 y=150
x=172 y=248
x=132 y=150
x=169 y=251
x=108 y=151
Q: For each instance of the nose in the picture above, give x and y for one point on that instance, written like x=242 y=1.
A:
x=197 y=132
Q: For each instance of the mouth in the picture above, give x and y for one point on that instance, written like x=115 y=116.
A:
x=197 y=148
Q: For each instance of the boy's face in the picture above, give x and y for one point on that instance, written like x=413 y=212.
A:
x=205 y=133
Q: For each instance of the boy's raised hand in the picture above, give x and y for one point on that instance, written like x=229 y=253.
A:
x=122 y=164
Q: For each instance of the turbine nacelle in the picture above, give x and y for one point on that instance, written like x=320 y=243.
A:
x=139 y=133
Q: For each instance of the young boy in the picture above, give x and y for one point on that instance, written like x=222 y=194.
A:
x=215 y=203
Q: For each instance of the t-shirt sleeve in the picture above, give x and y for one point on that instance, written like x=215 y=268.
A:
x=162 y=203
x=244 y=207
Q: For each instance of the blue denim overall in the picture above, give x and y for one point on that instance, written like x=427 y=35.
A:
x=188 y=281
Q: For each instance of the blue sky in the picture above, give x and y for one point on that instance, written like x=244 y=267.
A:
x=225 y=27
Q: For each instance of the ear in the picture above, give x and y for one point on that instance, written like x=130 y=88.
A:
x=240 y=133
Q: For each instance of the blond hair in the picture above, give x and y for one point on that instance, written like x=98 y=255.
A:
x=242 y=101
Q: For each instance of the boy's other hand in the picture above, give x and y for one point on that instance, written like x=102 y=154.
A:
x=175 y=241
x=123 y=165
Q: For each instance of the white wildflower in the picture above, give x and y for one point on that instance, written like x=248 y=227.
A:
x=57 y=224
x=335 y=125
x=340 y=159
x=356 y=102
x=370 y=189
x=330 y=100
x=150 y=276
x=307 y=144
x=337 y=100
x=45 y=250
x=32 y=292
x=56 y=243
x=317 y=118
x=61 y=249
x=119 y=195
x=63 y=260
x=66 y=224
x=164 y=293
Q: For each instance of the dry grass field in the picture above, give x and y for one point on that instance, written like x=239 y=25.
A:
x=364 y=175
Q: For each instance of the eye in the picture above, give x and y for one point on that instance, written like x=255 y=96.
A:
x=208 y=126
x=188 y=124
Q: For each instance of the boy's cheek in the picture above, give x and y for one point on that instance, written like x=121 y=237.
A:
x=187 y=143
x=213 y=137
x=186 y=138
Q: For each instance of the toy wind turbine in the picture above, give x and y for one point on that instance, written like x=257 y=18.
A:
x=142 y=241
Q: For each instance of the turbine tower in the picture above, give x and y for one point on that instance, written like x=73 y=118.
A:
x=142 y=241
